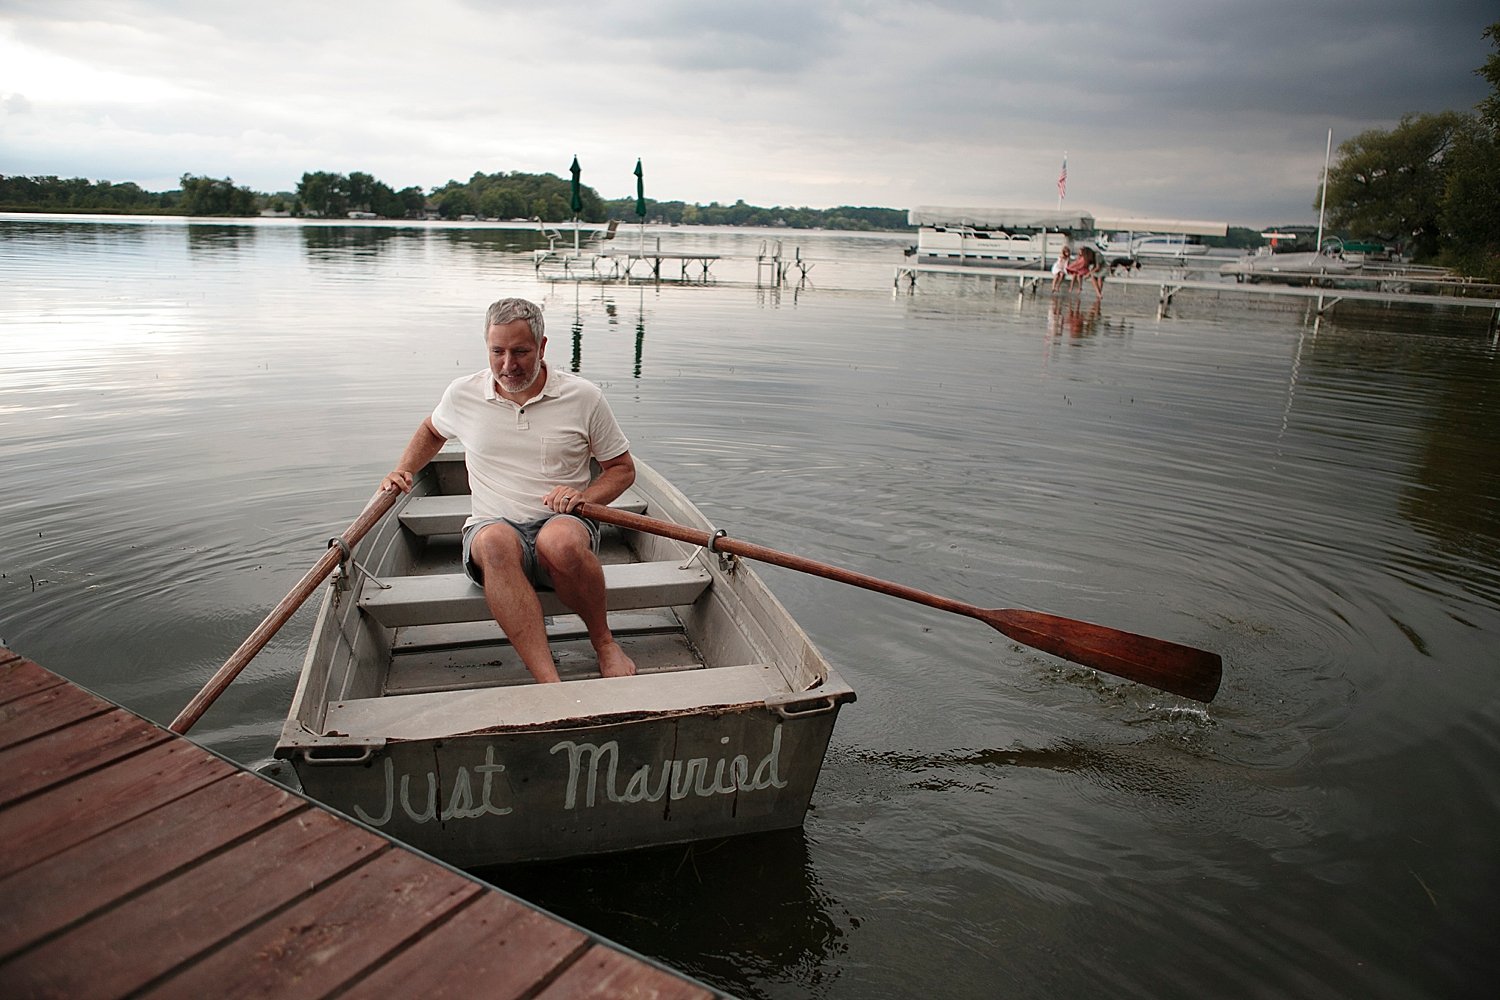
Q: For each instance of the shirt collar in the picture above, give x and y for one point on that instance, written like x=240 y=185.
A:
x=551 y=386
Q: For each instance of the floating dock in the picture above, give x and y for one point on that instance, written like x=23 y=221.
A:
x=606 y=262
x=1387 y=289
x=620 y=264
x=138 y=863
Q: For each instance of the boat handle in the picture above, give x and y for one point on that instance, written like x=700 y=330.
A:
x=803 y=708
x=338 y=757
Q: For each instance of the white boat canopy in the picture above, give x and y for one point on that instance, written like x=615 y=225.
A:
x=999 y=218
x=1187 y=227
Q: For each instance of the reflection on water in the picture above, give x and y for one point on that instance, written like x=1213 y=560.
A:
x=640 y=344
x=342 y=245
x=783 y=927
x=494 y=241
x=185 y=418
x=207 y=238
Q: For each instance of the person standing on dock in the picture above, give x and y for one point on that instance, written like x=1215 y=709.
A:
x=529 y=432
x=1094 y=269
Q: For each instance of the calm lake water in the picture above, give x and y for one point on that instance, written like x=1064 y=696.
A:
x=188 y=412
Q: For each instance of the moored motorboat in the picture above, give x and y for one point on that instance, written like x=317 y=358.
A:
x=1155 y=241
x=1129 y=247
x=1298 y=267
x=414 y=715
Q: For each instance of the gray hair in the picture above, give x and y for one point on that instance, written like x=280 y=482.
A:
x=509 y=310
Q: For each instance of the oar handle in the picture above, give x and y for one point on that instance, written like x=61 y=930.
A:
x=381 y=502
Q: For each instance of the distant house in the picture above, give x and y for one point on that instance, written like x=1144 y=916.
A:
x=363 y=215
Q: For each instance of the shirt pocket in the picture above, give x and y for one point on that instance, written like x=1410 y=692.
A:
x=564 y=455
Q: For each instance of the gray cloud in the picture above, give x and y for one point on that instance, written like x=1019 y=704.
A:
x=1204 y=109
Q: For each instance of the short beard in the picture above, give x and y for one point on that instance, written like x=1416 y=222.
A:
x=536 y=373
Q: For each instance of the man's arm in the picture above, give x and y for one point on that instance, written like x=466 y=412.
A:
x=615 y=477
x=424 y=444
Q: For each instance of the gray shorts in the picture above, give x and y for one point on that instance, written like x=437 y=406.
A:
x=528 y=530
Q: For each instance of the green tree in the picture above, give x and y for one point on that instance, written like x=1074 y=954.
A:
x=1489 y=108
x=413 y=202
x=324 y=194
x=1470 y=214
x=1431 y=185
x=361 y=191
x=213 y=196
x=1389 y=185
x=455 y=202
x=1471 y=199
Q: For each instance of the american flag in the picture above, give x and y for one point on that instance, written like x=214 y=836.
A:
x=1062 y=180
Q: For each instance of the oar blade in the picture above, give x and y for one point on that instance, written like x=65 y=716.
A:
x=1167 y=666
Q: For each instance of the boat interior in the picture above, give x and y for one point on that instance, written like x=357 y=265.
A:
x=444 y=638
x=405 y=646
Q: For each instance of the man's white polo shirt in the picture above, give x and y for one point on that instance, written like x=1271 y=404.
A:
x=517 y=453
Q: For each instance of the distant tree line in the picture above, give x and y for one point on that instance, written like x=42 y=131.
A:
x=1430 y=186
x=846 y=217
x=197 y=196
x=516 y=195
x=323 y=194
x=54 y=194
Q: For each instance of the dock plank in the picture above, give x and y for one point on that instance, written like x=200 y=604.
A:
x=64 y=816
x=44 y=761
x=137 y=863
x=496 y=941
x=607 y=975
x=91 y=875
x=152 y=934
x=331 y=938
x=43 y=711
x=19 y=678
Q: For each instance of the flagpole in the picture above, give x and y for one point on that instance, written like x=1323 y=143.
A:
x=1062 y=180
x=1323 y=201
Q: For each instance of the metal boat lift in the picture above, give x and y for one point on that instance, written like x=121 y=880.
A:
x=1388 y=287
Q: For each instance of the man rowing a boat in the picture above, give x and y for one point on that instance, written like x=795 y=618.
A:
x=529 y=432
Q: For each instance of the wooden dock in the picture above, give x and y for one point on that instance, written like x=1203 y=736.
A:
x=619 y=265
x=1168 y=283
x=138 y=863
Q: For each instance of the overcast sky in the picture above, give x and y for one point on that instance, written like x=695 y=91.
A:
x=1198 y=110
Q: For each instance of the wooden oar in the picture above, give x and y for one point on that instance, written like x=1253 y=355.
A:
x=373 y=512
x=1168 y=666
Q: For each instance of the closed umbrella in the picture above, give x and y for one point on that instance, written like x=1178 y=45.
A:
x=577 y=198
x=640 y=200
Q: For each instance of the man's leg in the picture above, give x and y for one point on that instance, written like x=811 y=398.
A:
x=496 y=549
x=563 y=549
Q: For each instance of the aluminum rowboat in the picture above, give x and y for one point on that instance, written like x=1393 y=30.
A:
x=414 y=715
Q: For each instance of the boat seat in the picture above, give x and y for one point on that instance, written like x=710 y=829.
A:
x=599 y=700
x=445 y=514
x=453 y=597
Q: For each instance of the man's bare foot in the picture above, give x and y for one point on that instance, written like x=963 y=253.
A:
x=613 y=662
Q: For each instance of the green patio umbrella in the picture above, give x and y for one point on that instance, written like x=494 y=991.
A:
x=577 y=199
x=640 y=201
